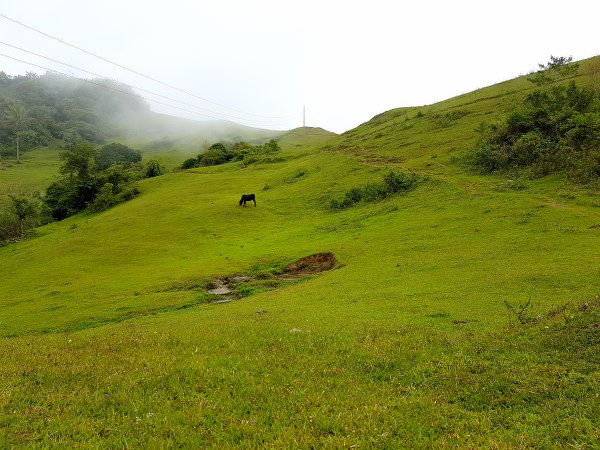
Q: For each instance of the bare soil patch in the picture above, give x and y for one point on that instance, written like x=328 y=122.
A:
x=319 y=262
x=233 y=287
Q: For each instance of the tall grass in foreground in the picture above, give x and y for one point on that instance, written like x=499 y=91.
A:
x=253 y=381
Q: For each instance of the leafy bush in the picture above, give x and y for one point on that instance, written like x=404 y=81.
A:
x=116 y=153
x=24 y=213
x=270 y=147
x=68 y=196
x=119 y=176
x=105 y=199
x=153 y=169
x=10 y=228
x=190 y=163
x=557 y=67
x=393 y=183
x=398 y=181
x=110 y=196
x=219 y=153
x=215 y=157
x=554 y=131
x=371 y=192
x=130 y=193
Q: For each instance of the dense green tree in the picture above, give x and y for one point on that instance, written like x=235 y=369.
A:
x=79 y=161
x=214 y=157
x=116 y=153
x=105 y=199
x=83 y=186
x=153 y=169
x=71 y=138
x=27 y=210
x=62 y=199
x=271 y=147
x=219 y=146
x=190 y=163
x=78 y=187
x=118 y=176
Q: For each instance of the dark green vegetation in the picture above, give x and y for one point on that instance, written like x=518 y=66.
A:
x=393 y=183
x=96 y=179
x=220 y=153
x=91 y=178
x=557 y=68
x=555 y=131
x=116 y=154
x=462 y=312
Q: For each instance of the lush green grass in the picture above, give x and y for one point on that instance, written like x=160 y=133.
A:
x=227 y=376
x=481 y=247
x=36 y=171
x=110 y=341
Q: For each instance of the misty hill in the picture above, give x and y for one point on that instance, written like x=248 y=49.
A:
x=63 y=110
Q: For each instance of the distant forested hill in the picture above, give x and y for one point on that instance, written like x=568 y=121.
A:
x=56 y=109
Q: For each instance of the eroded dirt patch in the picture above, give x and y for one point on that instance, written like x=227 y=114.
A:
x=233 y=287
x=316 y=263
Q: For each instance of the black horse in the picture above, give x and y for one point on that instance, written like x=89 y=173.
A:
x=248 y=198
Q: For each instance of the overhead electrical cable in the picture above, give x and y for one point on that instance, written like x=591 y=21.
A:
x=135 y=71
x=120 y=90
x=266 y=122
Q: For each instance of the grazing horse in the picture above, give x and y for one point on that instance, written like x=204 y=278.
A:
x=247 y=198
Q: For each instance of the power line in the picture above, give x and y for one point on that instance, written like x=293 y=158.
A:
x=117 y=90
x=132 y=70
x=267 y=123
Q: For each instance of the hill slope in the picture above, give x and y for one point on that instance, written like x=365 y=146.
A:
x=115 y=340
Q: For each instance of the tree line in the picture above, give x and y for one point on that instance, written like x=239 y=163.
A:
x=92 y=179
x=221 y=153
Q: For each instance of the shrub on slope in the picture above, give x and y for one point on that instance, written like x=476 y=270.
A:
x=554 y=131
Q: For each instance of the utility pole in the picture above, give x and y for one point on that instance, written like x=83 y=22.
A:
x=304 y=116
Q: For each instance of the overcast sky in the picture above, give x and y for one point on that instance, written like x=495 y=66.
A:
x=258 y=62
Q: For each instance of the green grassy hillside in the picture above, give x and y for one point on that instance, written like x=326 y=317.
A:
x=36 y=171
x=112 y=340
